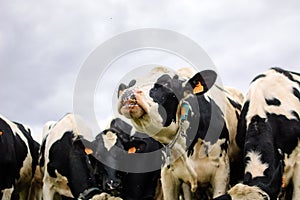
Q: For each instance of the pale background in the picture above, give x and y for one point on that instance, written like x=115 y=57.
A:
x=43 y=44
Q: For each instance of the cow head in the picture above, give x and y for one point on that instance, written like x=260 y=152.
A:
x=245 y=192
x=152 y=103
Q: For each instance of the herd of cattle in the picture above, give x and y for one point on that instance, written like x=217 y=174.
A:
x=210 y=143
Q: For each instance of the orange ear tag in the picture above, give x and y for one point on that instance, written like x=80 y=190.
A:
x=198 y=88
x=88 y=151
x=182 y=111
x=283 y=182
x=132 y=150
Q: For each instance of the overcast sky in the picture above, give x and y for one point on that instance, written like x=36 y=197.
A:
x=43 y=44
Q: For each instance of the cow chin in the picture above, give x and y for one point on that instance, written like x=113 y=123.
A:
x=132 y=111
x=245 y=192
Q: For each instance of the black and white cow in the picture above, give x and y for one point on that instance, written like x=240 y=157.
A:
x=67 y=167
x=137 y=186
x=199 y=145
x=117 y=139
x=18 y=159
x=269 y=132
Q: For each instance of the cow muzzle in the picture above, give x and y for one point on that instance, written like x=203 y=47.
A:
x=114 y=187
x=131 y=104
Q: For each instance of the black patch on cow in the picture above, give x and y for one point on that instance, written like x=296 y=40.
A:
x=166 y=92
x=286 y=131
x=296 y=115
x=242 y=125
x=296 y=93
x=235 y=104
x=287 y=74
x=261 y=138
x=13 y=152
x=273 y=102
x=209 y=118
x=59 y=155
x=33 y=146
x=258 y=77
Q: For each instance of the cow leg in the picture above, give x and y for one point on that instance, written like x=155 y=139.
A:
x=186 y=190
x=221 y=178
x=48 y=193
x=7 y=193
x=170 y=184
x=296 y=179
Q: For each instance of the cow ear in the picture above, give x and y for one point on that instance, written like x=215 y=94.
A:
x=121 y=89
x=202 y=82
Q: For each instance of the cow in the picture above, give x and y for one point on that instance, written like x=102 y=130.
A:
x=137 y=186
x=119 y=136
x=65 y=162
x=176 y=109
x=18 y=159
x=269 y=131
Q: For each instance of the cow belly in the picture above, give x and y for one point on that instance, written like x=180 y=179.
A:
x=291 y=173
x=58 y=184
x=23 y=183
x=211 y=164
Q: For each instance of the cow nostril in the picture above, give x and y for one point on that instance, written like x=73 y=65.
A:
x=112 y=185
x=117 y=184
x=128 y=95
x=132 y=96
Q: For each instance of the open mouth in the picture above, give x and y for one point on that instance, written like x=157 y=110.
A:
x=131 y=109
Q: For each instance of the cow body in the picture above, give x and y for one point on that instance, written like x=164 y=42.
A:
x=155 y=107
x=269 y=132
x=18 y=159
x=107 y=146
x=67 y=169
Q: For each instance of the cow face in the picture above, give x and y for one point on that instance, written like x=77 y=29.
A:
x=106 y=152
x=152 y=102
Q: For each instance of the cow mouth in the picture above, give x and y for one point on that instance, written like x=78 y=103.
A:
x=131 y=109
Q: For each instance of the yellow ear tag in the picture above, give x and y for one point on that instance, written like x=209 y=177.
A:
x=199 y=88
x=283 y=182
x=132 y=150
x=88 y=151
x=1 y=133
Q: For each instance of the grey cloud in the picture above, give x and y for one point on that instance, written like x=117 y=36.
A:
x=43 y=44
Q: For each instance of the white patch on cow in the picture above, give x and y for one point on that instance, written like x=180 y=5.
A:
x=109 y=139
x=23 y=183
x=274 y=85
x=6 y=193
x=47 y=127
x=255 y=166
x=58 y=184
x=246 y=192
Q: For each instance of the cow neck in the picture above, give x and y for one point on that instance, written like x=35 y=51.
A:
x=89 y=193
x=184 y=111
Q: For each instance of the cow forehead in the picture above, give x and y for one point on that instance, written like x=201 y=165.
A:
x=147 y=81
